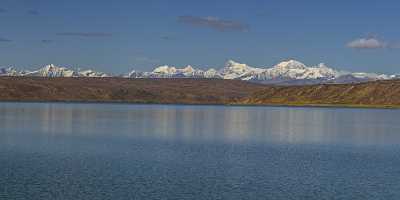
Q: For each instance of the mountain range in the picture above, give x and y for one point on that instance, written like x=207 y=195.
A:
x=290 y=72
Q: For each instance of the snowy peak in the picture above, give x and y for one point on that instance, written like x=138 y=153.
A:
x=165 y=69
x=293 y=69
x=51 y=67
x=188 y=69
x=238 y=68
x=323 y=66
x=57 y=71
x=235 y=70
x=92 y=73
x=291 y=64
x=233 y=66
x=53 y=71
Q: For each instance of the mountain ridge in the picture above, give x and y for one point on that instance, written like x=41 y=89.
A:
x=288 y=72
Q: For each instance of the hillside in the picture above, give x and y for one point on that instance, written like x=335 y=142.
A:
x=188 y=91
x=198 y=91
x=377 y=93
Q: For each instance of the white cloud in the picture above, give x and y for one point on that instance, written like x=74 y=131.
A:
x=85 y=34
x=367 y=43
x=214 y=23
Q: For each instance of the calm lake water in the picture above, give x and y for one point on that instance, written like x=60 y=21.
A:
x=121 y=151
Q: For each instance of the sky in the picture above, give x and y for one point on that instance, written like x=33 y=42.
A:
x=121 y=35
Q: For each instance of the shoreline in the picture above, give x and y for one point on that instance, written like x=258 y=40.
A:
x=377 y=94
x=345 y=106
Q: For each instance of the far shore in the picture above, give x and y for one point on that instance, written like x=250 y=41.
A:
x=378 y=94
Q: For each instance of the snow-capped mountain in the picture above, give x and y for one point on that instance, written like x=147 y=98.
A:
x=235 y=70
x=212 y=73
x=171 y=72
x=52 y=71
x=290 y=72
x=297 y=70
x=283 y=71
x=91 y=73
x=10 y=71
x=287 y=72
x=166 y=71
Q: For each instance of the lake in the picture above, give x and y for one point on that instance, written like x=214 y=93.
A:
x=123 y=151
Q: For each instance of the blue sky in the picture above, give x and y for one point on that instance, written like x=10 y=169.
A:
x=117 y=36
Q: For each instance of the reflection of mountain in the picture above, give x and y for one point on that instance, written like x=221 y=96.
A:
x=204 y=124
x=289 y=72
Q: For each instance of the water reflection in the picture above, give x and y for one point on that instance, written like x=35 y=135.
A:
x=203 y=123
x=119 y=151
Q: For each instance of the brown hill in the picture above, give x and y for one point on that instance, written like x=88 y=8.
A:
x=198 y=91
x=370 y=94
x=187 y=91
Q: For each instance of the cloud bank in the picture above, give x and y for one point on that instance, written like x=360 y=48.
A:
x=5 y=40
x=85 y=34
x=214 y=23
x=33 y=12
x=46 y=41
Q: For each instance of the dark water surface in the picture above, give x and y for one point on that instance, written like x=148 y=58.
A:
x=110 y=151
